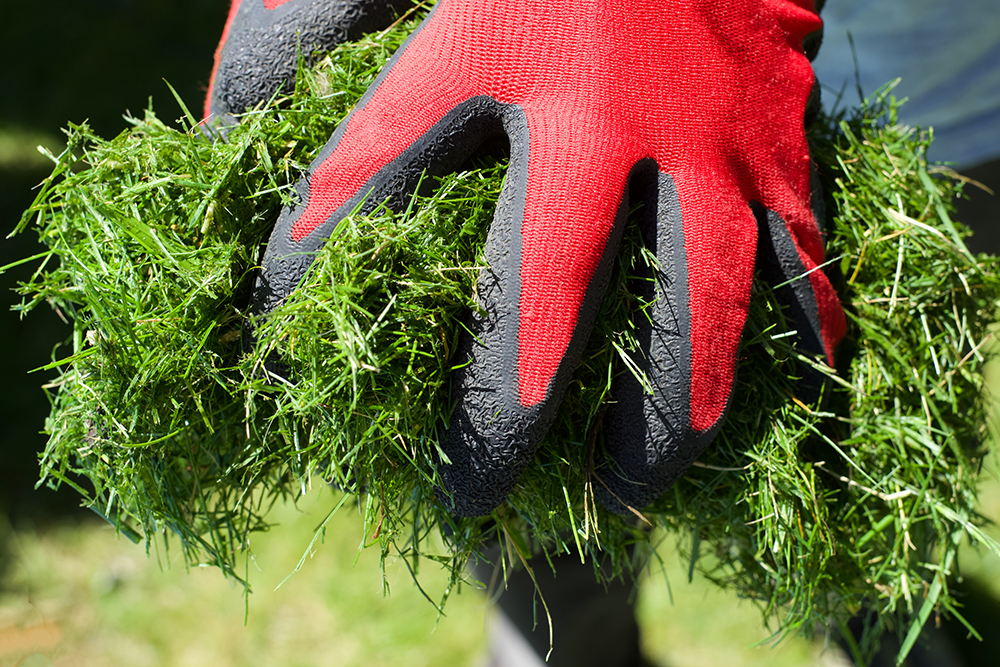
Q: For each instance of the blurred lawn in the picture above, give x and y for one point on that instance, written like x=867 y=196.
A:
x=982 y=567
x=19 y=150
x=102 y=601
x=77 y=595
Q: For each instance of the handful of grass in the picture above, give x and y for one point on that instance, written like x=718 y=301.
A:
x=167 y=426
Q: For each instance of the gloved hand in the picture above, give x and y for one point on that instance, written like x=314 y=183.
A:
x=695 y=106
x=262 y=40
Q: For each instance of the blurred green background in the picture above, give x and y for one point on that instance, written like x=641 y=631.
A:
x=72 y=593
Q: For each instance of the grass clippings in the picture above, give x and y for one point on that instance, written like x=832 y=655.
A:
x=169 y=428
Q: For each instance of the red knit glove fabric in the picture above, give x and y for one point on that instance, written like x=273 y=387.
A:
x=695 y=106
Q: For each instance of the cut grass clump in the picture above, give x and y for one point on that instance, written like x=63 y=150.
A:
x=167 y=426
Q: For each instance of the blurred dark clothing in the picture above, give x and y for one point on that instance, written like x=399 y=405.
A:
x=981 y=210
x=946 y=54
x=592 y=625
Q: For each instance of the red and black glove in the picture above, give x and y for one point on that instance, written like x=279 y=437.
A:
x=262 y=40
x=696 y=107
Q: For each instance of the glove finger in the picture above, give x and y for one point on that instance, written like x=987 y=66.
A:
x=262 y=40
x=653 y=433
x=549 y=253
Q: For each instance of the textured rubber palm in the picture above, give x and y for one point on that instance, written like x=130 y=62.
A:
x=261 y=42
x=698 y=104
